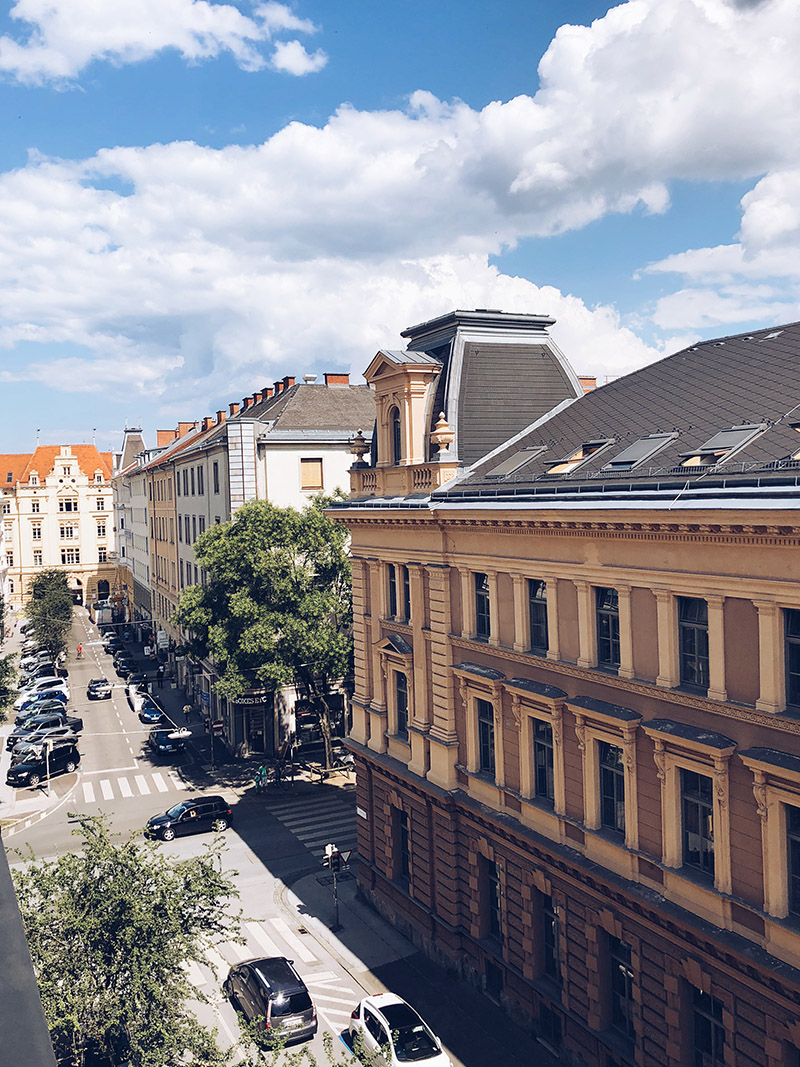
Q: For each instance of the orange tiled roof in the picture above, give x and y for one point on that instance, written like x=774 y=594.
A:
x=42 y=460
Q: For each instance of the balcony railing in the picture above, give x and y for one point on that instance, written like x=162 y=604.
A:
x=414 y=480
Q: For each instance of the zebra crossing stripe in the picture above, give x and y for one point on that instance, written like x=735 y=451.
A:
x=176 y=780
x=334 y=1000
x=159 y=782
x=217 y=962
x=141 y=783
x=194 y=974
x=258 y=934
x=321 y=978
x=88 y=792
x=107 y=791
x=241 y=952
x=294 y=942
x=124 y=787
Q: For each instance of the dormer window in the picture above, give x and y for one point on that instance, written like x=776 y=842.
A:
x=34 y=478
x=639 y=451
x=722 y=445
x=576 y=458
x=515 y=461
x=9 y=477
x=397 y=445
x=796 y=453
x=98 y=477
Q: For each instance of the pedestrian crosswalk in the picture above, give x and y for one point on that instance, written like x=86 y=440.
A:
x=135 y=785
x=318 y=820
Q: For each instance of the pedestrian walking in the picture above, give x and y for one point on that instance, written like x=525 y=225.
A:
x=187 y=713
x=160 y=674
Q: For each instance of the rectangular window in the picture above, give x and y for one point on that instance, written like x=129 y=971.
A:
x=191 y=478
x=621 y=987
x=494 y=914
x=37 y=557
x=708 y=1044
x=101 y=504
x=101 y=528
x=311 y=474
x=550 y=939
x=185 y=481
x=693 y=641
x=178 y=482
x=215 y=476
x=793 y=855
x=36 y=531
x=486 y=737
x=70 y=555
x=9 y=559
x=612 y=787
x=543 y=761
x=102 y=555
x=403 y=846
x=188 y=530
x=392 y=579
x=607 y=601
x=483 y=622
x=181 y=571
x=201 y=485
x=791 y=624
x=406 y=592
x=35 y=507
x=180 y=529
x=67 y=531
x=697 y=810
x=537 y=612
x=194 y=528
x=7 y=507
x=201 y=525
x=68 y=505
x=401 y=703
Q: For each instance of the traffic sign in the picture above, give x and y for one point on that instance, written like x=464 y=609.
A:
x=346 y=854
x=217 y=726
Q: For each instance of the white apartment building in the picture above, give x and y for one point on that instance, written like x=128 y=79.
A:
x=57 y=512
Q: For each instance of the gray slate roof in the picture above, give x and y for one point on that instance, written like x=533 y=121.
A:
x=696 y=393
x=317 y=407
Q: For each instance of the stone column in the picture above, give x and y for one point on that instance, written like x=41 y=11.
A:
x=625 y=633
x=554 y=651
x=467 y=603
x=587 y=629
x=771 y=666
x=716 y=648
x=522 y=637
x=668 y=670
x=494 y=609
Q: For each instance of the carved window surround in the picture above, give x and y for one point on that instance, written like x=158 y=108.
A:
x=531 y=701
x=481 y=683
x=596 y=721
x=397 y=654
x=678 y=746
x=776 y=783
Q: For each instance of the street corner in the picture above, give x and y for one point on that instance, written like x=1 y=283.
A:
x=26 y=807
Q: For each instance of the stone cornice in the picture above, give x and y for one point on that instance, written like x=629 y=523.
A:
x=626 y=685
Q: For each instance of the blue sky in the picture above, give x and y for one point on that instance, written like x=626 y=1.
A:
x=197 y=198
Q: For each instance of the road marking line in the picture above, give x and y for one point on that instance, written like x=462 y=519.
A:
x=334 y=1000
x=160 y=784
x=258 y=934
x=108 y=792
x=141 y=784
x=176 y=780
x=323 y=976
x=299 y=947
x=241 y=952
x=217 y=962
x=193 y=972
x=124 y=787
x=88 y=792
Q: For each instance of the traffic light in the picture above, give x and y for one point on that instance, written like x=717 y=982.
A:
x=332 y=858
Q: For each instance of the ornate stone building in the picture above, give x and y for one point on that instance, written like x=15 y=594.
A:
x=577 y=698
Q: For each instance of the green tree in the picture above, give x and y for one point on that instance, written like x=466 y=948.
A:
x=110 y=929
x=49 y=608
x=8 y=691
x=277 y=606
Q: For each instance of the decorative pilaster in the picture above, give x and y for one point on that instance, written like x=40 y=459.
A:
x=716 y=648
x=587 y=630
x=625 y=633
x=771 y=667
x=668 y=673
x=522 y=638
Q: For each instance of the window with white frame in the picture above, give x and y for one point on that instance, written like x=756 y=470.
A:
x=101 y=527
x=36 y=531
x=102 y=555
x=70 y=555
x=35 y=507
x=101 y=504
x=67 y=504
x=776 y=789
x=66 y=531
x=37 y=557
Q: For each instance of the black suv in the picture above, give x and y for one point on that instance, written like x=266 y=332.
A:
x=190 y=817
x=98 y=689
x=63 y=759
x=166 y=742
x=271 y=990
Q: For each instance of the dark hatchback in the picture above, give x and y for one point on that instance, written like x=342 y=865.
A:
x=64 y=759
x=272 y=991
x=124 y=664
x=150 y=712
x=165 y=742
x=191 y=817
x=98 y=689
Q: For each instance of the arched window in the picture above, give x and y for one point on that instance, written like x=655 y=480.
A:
x=394 y=419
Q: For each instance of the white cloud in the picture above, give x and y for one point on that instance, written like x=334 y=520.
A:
x=291 y=57
x=62 y=37
x=210 y=267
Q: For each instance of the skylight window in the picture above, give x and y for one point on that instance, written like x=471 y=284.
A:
x=576 y=458
x=639 y=451
x=515 y=461
x=722 y=445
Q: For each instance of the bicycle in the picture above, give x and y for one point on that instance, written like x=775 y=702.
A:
x=275 y=775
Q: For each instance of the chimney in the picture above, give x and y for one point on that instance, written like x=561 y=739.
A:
x=288 y=382
x=309 y=379
x=337 y=379
x=233 y=409
x=207 y=423
x=267 y=392
x=256 y=397
x=163 y=437
x=278 y=387
x=220 y=416
x=246 y=402
x=184 y=428
x=588 y=382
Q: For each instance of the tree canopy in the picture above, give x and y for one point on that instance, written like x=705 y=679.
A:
x=50 y=609
x=110 y=929
x=276 y=608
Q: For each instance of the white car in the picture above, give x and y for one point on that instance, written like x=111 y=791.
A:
x=39 y=686
x=392 y=1034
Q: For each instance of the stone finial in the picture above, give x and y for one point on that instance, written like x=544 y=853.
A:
x=442 y=435
x=359 y=446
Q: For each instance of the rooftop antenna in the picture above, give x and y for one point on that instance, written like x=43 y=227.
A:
x=38 y=431
x=94 y=436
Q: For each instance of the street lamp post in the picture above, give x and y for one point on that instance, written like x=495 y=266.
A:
x=333 y=859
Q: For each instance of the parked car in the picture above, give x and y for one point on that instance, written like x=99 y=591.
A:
x=42 y=698
x=52 y=704
x=190 y=817
x=138 y=697
x=37 y=723
x=166 y=742
x=124 y=665
x=112 y=643
x=392 y=1033
x=98 y=689
x=39 y=686
x=150 y=712
x=138 y=680
x=270 y=990
x=34 y=744
x=64 y=759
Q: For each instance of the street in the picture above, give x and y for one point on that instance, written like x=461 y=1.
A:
x=274 y=849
